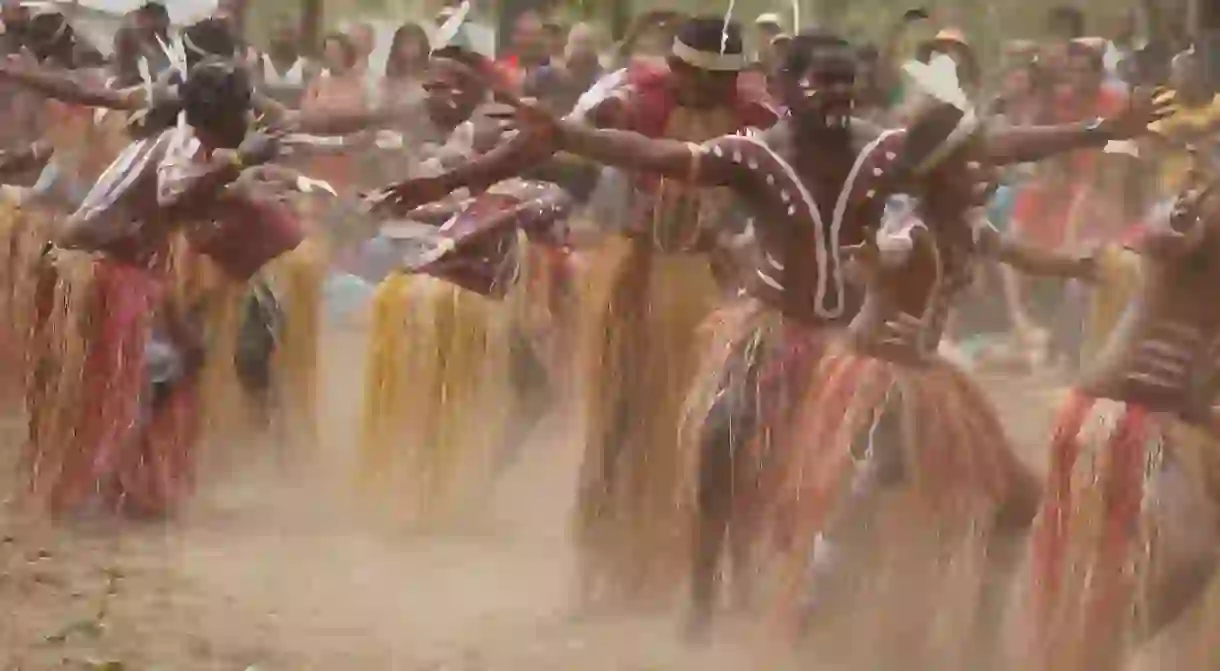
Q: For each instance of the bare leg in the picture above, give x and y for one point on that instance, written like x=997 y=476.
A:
x=732 y=421
x=1005 y=547
x=1187 y=546
x=841 y=548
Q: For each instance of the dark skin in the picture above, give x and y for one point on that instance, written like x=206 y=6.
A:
x=61 y=86
x=1162 y=357
x=231 y=148
x=910 y=289
x=820 y=101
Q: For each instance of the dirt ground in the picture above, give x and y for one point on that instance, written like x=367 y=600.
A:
x=277 y=567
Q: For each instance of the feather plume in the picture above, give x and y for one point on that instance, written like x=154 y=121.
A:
x=597 y=93
x=938 y=79
x=449 y=29
x=309 y=185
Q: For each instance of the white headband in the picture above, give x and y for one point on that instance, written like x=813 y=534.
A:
x=707 y=60
x=962 y=132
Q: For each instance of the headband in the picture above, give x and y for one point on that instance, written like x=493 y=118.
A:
x=706 y=60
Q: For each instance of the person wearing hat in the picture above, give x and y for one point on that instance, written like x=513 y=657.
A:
x=656 y=287
x=807 y=212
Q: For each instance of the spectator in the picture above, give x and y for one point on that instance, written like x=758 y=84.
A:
x=527 y=49
x=283 y=64
x=556 y=40
x=340 y=88
x=560 y=83
x=408 y=54
x=363 y=37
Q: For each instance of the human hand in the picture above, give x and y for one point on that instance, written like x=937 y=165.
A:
x=1145 y=106
x=259 y=147
x=407 y=195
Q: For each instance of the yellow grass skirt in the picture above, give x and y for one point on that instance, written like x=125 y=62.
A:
x=298 y=278
x=641 y=353
x=437 y=396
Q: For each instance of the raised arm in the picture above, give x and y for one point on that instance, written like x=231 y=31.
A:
x=631 y=151
x=280 y=115
x=1035 y=261
x=1026 y=144
x=63 y=86
x=1030 y=259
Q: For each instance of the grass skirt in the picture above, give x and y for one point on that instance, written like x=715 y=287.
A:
x=107 y=447
x=958 y=470
x=298 y=278
x=641 y=353
x=755 y=356
x=23 y=233
x=436 y=397
x=1090 y=541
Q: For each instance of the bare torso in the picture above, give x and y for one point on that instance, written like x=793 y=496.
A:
x=1163 y=354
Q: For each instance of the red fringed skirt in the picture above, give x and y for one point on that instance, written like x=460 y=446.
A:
x=1089 y=528
x=955 y=455
x=766 y=362
x=126 y=455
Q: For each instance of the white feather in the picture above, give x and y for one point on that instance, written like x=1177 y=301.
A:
x=308 y=185
x=449 y=29
x=938 y=79
x=724 y=32
x=597 y=93
x=1126 y=147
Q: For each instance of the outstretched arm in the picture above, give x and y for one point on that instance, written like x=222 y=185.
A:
x=1033 y=260
x=1026 y=144
x=631 y=151
x=65 y=87
x=280 y=115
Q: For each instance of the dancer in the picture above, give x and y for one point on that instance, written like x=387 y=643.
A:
x=1129 y=422
x=442 y=346
x=648 y=289
x=883 y=396
x=815 y=182
x=132 y=449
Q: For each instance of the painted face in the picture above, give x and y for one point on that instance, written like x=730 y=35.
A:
x=452 y=93
x=823 y=94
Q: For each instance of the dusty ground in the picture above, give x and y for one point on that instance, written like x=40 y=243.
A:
x=279 y=570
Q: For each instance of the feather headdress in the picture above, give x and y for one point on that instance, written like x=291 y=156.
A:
x=938 y=81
